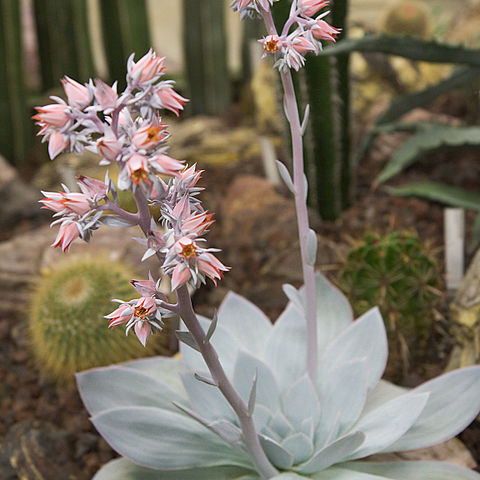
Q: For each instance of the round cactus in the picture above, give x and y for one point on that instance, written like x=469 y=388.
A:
x=406 y=18
x=68 y=331
x=399 y=275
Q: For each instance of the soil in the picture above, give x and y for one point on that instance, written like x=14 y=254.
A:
x=32 y=407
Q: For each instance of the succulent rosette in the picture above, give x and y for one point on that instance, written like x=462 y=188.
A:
x=168 y=420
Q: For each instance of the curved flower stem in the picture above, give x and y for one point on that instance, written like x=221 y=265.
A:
x=131 y=217
x=185 y=309
x=291 y=110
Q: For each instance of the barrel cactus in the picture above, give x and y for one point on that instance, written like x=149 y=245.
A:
x=406 y=18
x=401 y=276
x=68 y=331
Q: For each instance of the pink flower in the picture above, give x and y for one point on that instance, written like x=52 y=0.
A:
x=137 y=168
x=54 y=115
x=67 y=233
x=147 y=68
x=95 y=189
x=77 y=203
x=109 y=148
x=57 y=143
x=271 y=43
x=166 y=165
x=209 y=265
x=149 y=136
x=106 y=96
x=197 y=224
x=186 y=248
x=323 y=31
x=171 y=100
x=78 y=95
x=189 y=177
x=302 y=45
x=312 y=6
x=121 y=315
x=244 y=4
x=53 y=201
x=181 y=274
x=145 y=307
x=142 y=331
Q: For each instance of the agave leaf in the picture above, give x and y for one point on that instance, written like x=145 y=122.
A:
x=276 y=453
x=207 y=399
x=427 y=140
x=267 y=392
x=123 y=387
x=389 y=422
x=414 y=470
x=342 y=394
x=333 y=453
x=225 y=344
x=408 y=47
x=453 y=403
x=123 y=469
x=165 y=369
x=301 y=402
x=160 y=439
x=439 y=192
x=299 y=445
x=244 y=321
x=365 y=338
x=286 y=363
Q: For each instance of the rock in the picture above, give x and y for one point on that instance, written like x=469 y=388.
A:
x=38 y=450
x=465 y=319
x=263 y=254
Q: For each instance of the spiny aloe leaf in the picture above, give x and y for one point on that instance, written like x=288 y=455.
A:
x=413 y=470
x=408 y=47
x=365 y=338
x=453 y=403
x=158 y=439
x=440 y=192
x=430 y=139
x=389 y=422
x=123 y=387
x=123 y=469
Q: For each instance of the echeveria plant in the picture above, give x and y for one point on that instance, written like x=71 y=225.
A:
x=302 y=398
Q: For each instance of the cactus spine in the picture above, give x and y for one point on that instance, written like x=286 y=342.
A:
x=205 y=53
x=68 y=331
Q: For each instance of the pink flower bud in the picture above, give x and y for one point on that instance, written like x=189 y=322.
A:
x=166 y=165
x=149 y=136
x=171 y=100
x=95 y=189
x=146 y=288
x=67 y=233
x=323 y=31
x=302 y=45
x=148 y=67
x=53 y=201
x=312 y=6
x=120 y=316
x=106 y=96
x=78 y=95
x=53 y=115
x=57 y=143
x=197 y=224
x=209 y=265
x=181 y=274
x=77 y=203
x=142 y=331
x=109 y=148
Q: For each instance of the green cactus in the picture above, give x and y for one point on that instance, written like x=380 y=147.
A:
x=399 y=275
x=68 y=331
x=406 y=18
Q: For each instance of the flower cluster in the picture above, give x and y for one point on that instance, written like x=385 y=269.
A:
x=301 y=33
x=144 y=314
x=126 y=130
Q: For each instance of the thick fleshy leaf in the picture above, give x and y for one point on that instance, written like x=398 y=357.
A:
x=301 y=402
x=453 y=403
x=365 y=338
x=276 y=453
x=246 y=368
x=123 y=469
x=225 y=344
x=245 y=321
x=117 y=386
x=207 y=400
x=342 y=395
x=281 y=425
x=284 y=346
x=333 y=453
x=300 y=446
x=414 y=470
x=387 y=423
x=261 y=416
x=165 y=369
x=160 y=439
x=336 y=473
x=287 y=476
x=382 y=393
